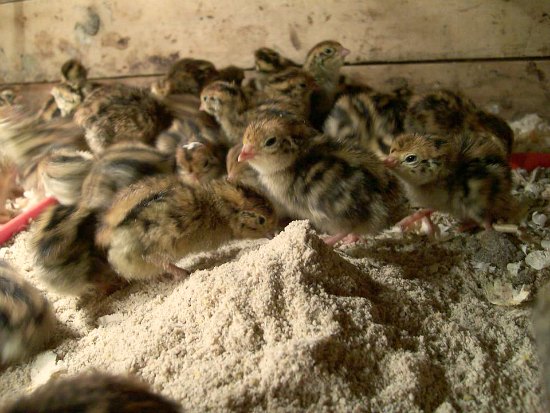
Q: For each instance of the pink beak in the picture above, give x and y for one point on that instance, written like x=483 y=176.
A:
x=344 y=52
x=202 y=106
x=247 y=152
x=391 y=162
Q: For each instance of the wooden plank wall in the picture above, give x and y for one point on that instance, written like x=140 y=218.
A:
x=497 y=51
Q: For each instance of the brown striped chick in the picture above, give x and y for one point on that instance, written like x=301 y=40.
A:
x=65 y=256
x=120 y=166
x=292 y=87
x=227 y=103
x=29 y=144
x=92 y=392
x=63 y=171
x=464 y=175
x=118 y=113
x=231 y=74
x=157 y=221
x=268 y=62
x=343 y=190
x=26 y=318
x=200 y=162
x=186 y=76
x=323 y=62
x=445 y=112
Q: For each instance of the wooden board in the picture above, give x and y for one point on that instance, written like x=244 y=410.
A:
x=142 y=37
x=512 y=88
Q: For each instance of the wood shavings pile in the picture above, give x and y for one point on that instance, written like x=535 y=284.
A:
x=396 y=324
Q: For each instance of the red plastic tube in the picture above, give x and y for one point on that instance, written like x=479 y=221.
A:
x=20 y=222
x=529 y=160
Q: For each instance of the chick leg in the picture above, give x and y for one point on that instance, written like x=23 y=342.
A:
x=333 y=239
x=176 y=272
x=407 y=222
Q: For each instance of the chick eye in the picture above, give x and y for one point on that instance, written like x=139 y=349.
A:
x=271 y=141
x=302 y=85
x=410 y=158
x=205 y=164
x=204 y=98
x=329 y=51
x=261 y=220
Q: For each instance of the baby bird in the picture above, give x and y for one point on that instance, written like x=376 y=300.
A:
x=445 y=112
x=157 y=221
x=227 y=103
x=117 y=113
x=465 y=175
x=26 y=318
x=268 y=62
x=120 y=166
x=92 y=392
x=187 y=75
x=65 y=256
x=324 y=62
x=63 y=171
x=200 y=162
x=342 y=190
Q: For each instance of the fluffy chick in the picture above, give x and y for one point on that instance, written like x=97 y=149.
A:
x=92 y=392
x=117 y=113
x=63 y=171
x=65 y=256
x=465 y=175
x=200 y=162
x=26 y=318
x=445 y=112
x=157 y=221
x=268 y=62
x=120 y=166
x=187 y=75
x=341 y=189
x=323 y=62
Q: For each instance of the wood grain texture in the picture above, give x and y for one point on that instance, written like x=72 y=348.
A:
x=141 y=37
x=512 y=88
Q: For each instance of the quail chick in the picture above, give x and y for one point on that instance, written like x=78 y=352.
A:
x=117 y=113
x=199 y=163
x=231 y=74
x=465 y=175
x=227 y=103
x=120 y=166
x=92 y=392
x=187 y=75
x=63 y=171
x=7 y=97
x=323 y=62
x=28 y=143
x=341 y=189
x=157 y=221
x=445 y=112
x=27 y=320
x=268 y=62
x=65 y=256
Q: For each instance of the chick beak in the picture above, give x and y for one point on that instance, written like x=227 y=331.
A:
x=247 y=152
x=344 y=52
x=391 y=162
x=202 y=106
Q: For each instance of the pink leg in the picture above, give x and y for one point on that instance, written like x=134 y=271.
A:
x=431 y=227
x=333 y=239
x=407 y=222
x=351 y=238
x=176 y=272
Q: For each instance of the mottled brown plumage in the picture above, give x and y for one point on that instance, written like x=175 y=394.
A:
x=118 y=113
x=341 y=189
x=155 y=222
x=26 y=318
x=93 y=392
x=465 y=175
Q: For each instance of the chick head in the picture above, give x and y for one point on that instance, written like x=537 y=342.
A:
x=326 y=56
x=219 y=97
x=197 y=164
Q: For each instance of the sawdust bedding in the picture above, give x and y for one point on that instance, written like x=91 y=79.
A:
x=397 y=323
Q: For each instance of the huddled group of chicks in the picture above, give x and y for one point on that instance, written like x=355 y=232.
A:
x=146 y=176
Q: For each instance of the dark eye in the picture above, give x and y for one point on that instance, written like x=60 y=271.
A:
x=329 y=51
x=261 y=220
x=271 y=141
x=410 y=158
x=302 y=85
x=205 y=164
x=204 y=98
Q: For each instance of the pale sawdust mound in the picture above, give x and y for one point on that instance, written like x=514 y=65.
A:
x=289 y=324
